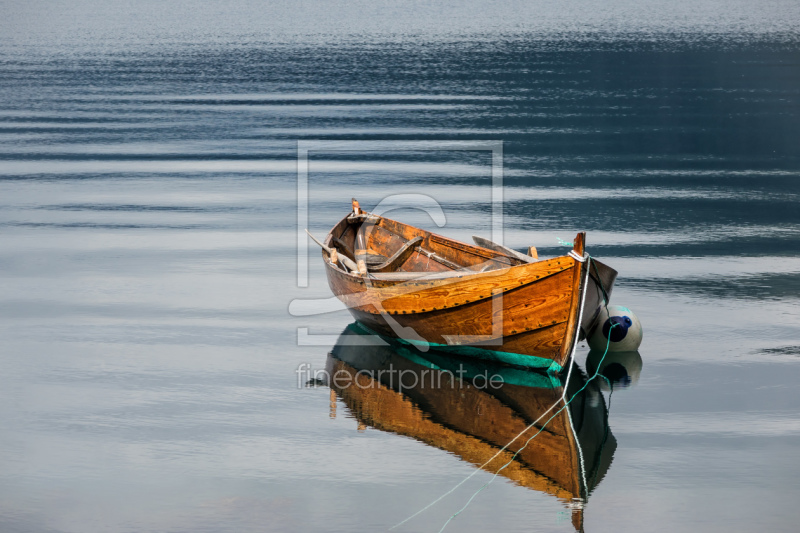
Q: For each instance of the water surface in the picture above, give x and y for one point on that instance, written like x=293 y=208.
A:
x=148 y=257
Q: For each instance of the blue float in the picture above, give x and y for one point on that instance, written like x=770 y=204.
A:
x=618 y=328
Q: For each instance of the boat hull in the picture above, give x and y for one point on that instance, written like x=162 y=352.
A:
x=519 y=315
x=467 y=300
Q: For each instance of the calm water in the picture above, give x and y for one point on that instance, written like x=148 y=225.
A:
x=149 y=261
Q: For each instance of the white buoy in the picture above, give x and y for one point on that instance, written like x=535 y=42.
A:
x=621 y=325
x=621 y=369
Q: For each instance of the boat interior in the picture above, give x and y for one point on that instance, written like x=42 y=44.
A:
x=377 y=245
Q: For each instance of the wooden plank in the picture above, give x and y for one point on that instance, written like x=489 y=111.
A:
x=444 y=292
x=450 y=328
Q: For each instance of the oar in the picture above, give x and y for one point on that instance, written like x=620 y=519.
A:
x=486 y=243
x=346 y=261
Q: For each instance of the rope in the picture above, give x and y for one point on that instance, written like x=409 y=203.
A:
x=605 y=435
x=573 y=254
x=532 y=424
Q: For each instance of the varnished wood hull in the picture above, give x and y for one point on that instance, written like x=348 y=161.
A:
x=525 y=314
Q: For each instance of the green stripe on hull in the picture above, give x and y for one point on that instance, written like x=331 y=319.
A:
x=494 y=356
x=506 y=358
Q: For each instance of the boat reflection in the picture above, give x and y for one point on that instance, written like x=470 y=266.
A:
x=472 y=411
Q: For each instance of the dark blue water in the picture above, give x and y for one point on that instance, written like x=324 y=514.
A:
x=151 y=314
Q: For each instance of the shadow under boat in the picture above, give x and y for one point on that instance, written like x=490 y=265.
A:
x=474 y=410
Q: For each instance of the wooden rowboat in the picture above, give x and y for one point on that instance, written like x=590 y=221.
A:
x=484 y=300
